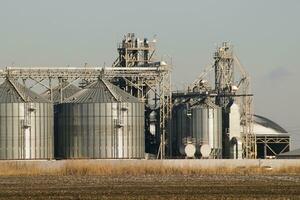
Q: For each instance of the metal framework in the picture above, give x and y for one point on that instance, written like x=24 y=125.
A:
x=246 y=106
x=157 y=80
x=268 y=140
x=224 y=74
x=231 y=82
x=135 y=52
x=135 y=70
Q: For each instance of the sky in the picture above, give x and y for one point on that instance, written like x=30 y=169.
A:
x=265 y=35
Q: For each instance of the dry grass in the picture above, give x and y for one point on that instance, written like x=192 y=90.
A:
x=82 y=168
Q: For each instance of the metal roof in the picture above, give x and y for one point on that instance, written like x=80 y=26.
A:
x=295 y=152
x=101 y=91
x=277 y=135
x=267 y=123
x=12 y=91
x=68 y=90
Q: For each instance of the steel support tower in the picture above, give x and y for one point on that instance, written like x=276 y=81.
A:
x=226 y=65
x=231 y=83
x=224 y=74
x=135 y=52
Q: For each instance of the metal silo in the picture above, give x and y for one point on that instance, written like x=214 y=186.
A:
x=207 y=127
x=180 y=127
x=26 y=123
x=100 y=121
x=59 y=93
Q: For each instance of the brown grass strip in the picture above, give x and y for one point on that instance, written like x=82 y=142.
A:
x=81 y=168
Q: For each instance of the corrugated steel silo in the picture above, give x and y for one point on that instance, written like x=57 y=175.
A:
x=207 y=127
x=100 y=121
x=59 y=93
x=26 y=123
x=180 y=127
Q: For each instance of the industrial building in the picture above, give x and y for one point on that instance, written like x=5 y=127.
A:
x=231 y=92
x=129 y=109
x=271 y=139
x=244 y=135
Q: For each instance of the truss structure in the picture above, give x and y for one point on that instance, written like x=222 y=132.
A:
x=135 y=71
x=232 y=82
x=136 y=52
x=246 y=109
x=144 y=80
x=268 y=140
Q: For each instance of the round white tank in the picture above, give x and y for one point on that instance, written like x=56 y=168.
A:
x=190 y=150
x=205 y=150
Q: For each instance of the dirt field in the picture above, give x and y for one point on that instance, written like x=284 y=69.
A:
x=151 y=187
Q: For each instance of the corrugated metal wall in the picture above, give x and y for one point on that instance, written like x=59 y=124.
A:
x=26 y=131
x=207 y=127
x=201 y=123
x=100 y=130
x=181 y=128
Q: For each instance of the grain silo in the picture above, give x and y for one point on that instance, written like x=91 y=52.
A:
x=57 y=95
x=181 y=127
x=26 y=123
x=100 y=121
x=197 y=124
x=207 y=127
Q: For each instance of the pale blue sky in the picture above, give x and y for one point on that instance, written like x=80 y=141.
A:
x=265 y=34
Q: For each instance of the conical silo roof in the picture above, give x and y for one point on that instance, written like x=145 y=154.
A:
x=12 y=91
x=68 y=90
x=101 y=91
